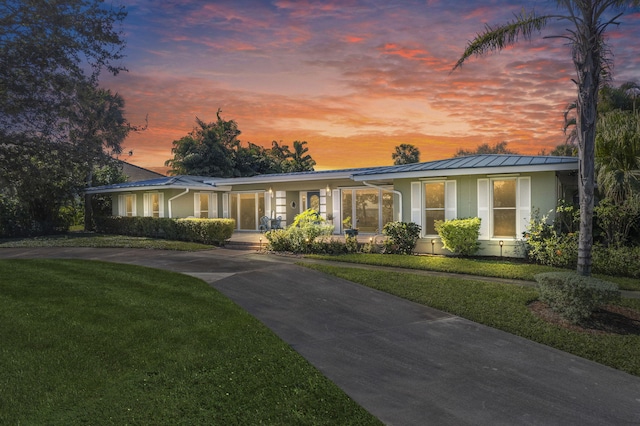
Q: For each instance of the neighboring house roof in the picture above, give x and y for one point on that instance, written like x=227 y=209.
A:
x=136 y=173
x=165 y=182
x=473 y=164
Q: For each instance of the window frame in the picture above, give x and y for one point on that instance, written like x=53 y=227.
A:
x=122 y=205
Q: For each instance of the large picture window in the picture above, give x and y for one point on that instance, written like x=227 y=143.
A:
x=205 y=205
x=504 y=206
x=154 y=204
x=127 y=205
x=369 y=209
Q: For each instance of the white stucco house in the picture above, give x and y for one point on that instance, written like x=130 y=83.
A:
x=502 y=190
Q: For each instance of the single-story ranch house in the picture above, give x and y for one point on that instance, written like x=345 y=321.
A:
x=502 y=190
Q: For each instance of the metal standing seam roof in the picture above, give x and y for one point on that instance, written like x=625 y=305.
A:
x=477 y=162
x=483 y=161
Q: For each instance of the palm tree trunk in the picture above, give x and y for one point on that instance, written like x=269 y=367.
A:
x=587 y=62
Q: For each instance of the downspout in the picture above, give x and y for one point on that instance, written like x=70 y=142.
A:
x=398 y=193
x=173 y=198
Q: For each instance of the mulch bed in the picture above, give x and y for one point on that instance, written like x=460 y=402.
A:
x=611 y=319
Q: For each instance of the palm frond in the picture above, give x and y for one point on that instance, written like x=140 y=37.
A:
x=498 y=37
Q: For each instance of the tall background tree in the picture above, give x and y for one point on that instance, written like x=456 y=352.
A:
x=588 y=22
x=213 y=149
x=405 y=153
x=51 y=58
x=485 y=148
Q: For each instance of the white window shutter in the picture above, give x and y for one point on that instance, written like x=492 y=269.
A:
x=336 y=201
x=160 y=204
x=213 y=205
x=196 y=204
x=416 y=203
x=147 y=204
x=524 y=205
x=225 y=206
x=450 y=200
x=122 y=205
x=483 y=208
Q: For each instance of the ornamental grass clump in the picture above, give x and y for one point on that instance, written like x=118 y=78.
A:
x=459 y=236
x=575 y=297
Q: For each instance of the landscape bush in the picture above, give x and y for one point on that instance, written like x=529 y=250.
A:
x=574 y=296
x=206 y=231
x=459 y=236
x=301 y=236
x=402 y=237
x=547 y=245
x=620 y=261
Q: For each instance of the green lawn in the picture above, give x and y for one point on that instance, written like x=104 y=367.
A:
x=87 y=342
x=102 y=241
x=502 y=306
x=510 y=269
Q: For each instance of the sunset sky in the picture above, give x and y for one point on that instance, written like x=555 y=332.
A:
x=353 y=78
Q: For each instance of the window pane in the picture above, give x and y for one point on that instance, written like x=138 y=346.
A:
x=368 y=210
x=432 y=216
x=387 y=207
x=504 y=223
x=129 y=205
x=504 y=193
x=314 y=202
x=204 y=205
x=347 y=205
x=261 y=205
x=155 y=205
x=434 y=195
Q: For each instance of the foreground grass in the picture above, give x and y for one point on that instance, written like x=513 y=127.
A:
x=103 y=241
x=501 y=306
x=87 y=342
x=510 y=269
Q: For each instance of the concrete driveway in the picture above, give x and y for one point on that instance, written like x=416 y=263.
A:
x=406 y=363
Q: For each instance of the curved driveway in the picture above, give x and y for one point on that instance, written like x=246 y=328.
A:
x=406 y=363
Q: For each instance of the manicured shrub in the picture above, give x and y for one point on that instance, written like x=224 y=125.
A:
x=573 y=296
x=206 y=231
x=459 y=236
x=618 y=261
x=301 y=235
x=402 y=237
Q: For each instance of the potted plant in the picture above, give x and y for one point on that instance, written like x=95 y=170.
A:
x=349 y=231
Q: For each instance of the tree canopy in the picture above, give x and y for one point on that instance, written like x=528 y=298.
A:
x=54 y=119
x=485 y=148
x=405 y=153
x=213 y=149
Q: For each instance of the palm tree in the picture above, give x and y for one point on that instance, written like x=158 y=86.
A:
x=589 y=20
x=300 y=160
x=618 y=155
x=405 y=153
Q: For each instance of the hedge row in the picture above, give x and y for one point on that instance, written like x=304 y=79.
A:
x=206 y=231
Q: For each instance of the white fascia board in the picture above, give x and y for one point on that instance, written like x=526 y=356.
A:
x=468 y=171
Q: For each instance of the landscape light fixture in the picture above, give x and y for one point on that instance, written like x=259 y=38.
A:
x=501 y=244
x=260 y=243
x=433 y=246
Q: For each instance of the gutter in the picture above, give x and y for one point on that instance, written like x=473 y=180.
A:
x=398 y=193
x=173 y=198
